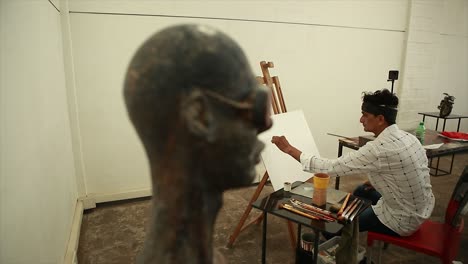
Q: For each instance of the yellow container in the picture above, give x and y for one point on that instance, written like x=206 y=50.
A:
x=321 y=180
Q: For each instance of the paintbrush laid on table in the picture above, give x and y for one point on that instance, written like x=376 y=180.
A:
x=312 y=208
x=325 y=217
x=290 y=208
x=306 y=213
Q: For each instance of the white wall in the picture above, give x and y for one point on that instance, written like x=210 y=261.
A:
x=59 y=143
x=326 y=53
x=37 y=180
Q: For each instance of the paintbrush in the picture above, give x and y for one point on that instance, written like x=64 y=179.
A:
x=343 y=205
x=351 y=217
x=335 y=135
x=315 y=213
x=290 y=208
x=348 y=214
x=341 y=217
x=311 y=207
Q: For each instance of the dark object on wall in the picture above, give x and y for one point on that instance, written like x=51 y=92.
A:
x=392 y=76
x=446 y=105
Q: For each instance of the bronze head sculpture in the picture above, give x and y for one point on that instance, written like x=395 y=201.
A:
x=446 y=105
x=197 y=109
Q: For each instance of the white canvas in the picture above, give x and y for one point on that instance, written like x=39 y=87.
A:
x=281 y=167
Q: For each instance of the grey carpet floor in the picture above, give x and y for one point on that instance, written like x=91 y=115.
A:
x=114 y=232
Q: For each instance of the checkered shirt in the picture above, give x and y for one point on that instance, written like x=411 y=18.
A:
x=397 y=167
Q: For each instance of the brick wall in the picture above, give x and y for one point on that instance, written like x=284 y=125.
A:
x=419 y=65
x=434 y=61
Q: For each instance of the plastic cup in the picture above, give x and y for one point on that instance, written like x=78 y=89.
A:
x=321 y=180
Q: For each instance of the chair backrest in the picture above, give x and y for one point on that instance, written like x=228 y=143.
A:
x=458 y=205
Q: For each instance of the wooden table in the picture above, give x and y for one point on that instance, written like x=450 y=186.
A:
x=449 y=147
x=436 y=115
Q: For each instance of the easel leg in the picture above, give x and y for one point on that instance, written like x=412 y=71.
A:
x=292 y=238
x=238 y=229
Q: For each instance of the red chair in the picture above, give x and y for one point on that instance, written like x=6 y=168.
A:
x=437 y=239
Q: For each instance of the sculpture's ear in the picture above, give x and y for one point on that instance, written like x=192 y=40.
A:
x=198 y=115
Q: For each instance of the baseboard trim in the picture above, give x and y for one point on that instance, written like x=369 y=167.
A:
x=91 y=200
x=88 y=202
x=72 y=247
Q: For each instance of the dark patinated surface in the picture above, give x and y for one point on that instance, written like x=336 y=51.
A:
x=197 y=147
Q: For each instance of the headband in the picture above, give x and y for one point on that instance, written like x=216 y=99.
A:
x=388 y=112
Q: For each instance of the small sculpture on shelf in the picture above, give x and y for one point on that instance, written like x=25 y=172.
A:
x=446 y=105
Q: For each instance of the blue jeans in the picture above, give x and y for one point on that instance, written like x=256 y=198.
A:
x=368 y=221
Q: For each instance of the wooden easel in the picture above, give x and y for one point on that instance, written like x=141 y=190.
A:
x=278 y=105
